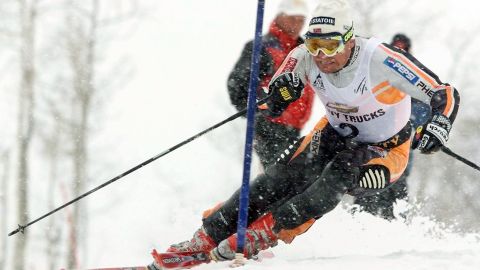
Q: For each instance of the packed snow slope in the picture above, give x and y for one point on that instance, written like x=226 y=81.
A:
x=182 y=52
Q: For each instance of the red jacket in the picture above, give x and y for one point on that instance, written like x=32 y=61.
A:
x=297 y=113
x=275 y=47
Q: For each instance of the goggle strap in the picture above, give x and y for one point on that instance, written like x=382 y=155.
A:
x=344 y=37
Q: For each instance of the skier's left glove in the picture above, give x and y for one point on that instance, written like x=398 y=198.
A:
x=283 y=90
x=430 y=137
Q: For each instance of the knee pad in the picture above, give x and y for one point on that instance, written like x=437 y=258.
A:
x=374 y=177
x=341 y=173
x=371 y=179
x=348 y=171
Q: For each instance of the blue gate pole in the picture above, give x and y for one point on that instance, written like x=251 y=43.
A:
x=251 y=109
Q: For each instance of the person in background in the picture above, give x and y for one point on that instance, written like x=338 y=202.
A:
x=382 y=203
x=273 y=134
x=401 y=41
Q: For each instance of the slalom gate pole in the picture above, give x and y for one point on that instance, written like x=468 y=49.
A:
x=253 y=84
x=21 y=228
x=449 y=152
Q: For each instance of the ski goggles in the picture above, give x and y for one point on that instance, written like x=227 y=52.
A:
x=330 y=44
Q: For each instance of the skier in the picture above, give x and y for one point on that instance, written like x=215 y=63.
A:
x=273 y=134
x=360 y=146
x=382 y=203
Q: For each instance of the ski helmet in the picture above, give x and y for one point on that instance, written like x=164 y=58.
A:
x=331 y=16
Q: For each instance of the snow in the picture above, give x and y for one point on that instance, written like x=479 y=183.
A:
x=182 y=53
x=340 y=241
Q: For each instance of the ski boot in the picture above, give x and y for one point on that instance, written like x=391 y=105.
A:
x=199 y=242
x=258 y=236
x=185 y=254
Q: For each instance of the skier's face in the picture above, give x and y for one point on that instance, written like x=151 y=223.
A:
x=401 y=45
x=291 y=25
x=331 y=64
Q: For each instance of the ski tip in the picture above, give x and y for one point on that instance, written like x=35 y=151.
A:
x=119 y=268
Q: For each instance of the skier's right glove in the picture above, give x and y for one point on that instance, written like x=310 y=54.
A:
x=433 y=135
x=283 y=90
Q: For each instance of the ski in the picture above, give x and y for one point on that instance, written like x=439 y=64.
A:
x=186 y=260
x=180 y=260
x=122 y=268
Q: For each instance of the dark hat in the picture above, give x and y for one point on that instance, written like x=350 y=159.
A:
x=402 y=39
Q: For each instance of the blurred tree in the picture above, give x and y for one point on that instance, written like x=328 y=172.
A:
x=26 y=120
x=52 y=142
x=4 y=169
x=68 y=98
x=81 y=42
x=83 y=22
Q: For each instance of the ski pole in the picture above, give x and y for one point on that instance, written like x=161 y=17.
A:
x=244 y=190
x=21 y=228
x=449 y=152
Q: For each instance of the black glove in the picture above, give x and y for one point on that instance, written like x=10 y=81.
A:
x=433 y=135
x=283 y=90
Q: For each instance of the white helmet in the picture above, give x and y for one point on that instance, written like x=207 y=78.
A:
x=331 y=16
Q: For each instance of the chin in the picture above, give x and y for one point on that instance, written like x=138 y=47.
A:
x=329 y=69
